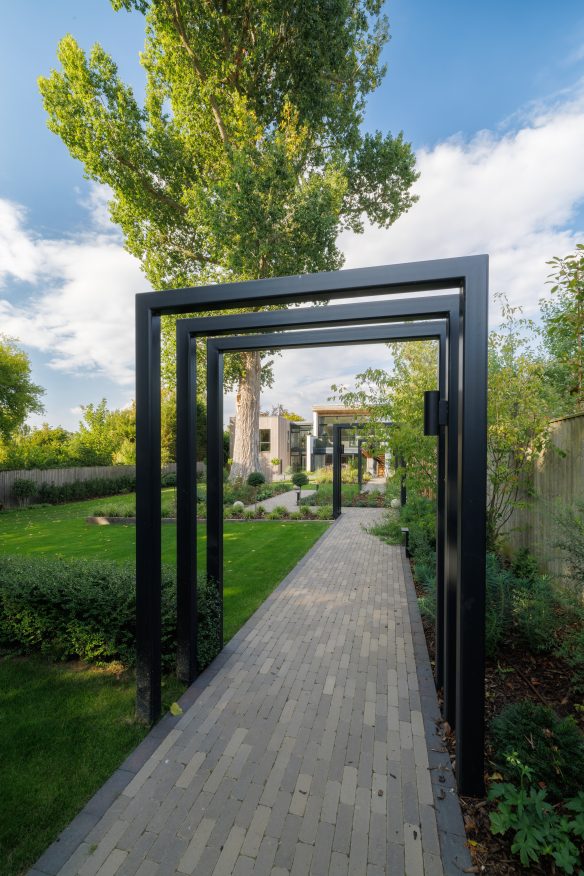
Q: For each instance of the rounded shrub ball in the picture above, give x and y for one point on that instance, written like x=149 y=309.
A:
x=299 y=479
x=238 y=506
x=256 y=479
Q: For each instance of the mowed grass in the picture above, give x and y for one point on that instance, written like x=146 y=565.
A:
x=65 y=728
x=257 y=555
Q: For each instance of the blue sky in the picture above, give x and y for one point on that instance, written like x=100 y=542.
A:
x=490 y=95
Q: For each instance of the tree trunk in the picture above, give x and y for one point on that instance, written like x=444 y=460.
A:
x=246 y=444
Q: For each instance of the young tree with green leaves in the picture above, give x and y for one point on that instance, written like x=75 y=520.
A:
x=521 y=402
x=563 y=329
x=396 y=396
x=19 y=396
x=44 y=447
x=105 y=437
x=246 y=159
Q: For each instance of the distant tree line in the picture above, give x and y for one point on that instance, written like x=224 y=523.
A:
x=104 y=437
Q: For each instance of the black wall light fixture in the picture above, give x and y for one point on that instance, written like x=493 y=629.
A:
x=461 y=514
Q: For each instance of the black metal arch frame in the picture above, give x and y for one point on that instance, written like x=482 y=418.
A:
x=339 y=428
x=463 y=538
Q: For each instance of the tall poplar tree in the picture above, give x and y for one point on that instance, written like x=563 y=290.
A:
x=246 y=159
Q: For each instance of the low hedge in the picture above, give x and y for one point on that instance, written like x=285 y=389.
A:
x=58 y=494
x=87 y=609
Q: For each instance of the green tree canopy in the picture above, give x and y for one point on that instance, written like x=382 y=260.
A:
x=396 y=396
x=247 y=157
x=520 y=404
x=19 y=396
x=563 y=329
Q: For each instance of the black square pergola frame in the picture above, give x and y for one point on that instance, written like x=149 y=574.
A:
x=463 y=512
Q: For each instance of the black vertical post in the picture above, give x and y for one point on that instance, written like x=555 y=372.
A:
x=336 y=470
x=215 y=472
x=148 y=524
x=186 y=510
x=451 y=572
x=403 y=490
x=472 y=494
x=440 y=524
x=360 y=463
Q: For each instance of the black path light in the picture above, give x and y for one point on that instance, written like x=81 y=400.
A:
x=462 y=533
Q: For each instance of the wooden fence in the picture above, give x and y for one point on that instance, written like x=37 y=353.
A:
x=558 y=481
x=60 y=476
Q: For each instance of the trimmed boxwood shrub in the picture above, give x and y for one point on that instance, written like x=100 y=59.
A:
x=256 y=479
x=87 y=609
x=552 y=747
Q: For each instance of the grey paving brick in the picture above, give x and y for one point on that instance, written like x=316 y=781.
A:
x=304 y=748
x=322 y=849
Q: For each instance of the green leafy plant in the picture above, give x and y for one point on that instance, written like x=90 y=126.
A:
x=572 y=651
x=92 y=488
x=256 y=479
x=551 y=748
x=114 y=511
x=300 y=479
x=23 y=489
x=539 y=829
x=87 y=609
x=325 y=512
x=524 y=565
x=535 y=613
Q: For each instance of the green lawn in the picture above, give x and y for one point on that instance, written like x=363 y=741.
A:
x=63 y=731
x=63 y=728
x=256 y=555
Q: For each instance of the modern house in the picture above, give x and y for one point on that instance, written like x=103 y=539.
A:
x=308 y=446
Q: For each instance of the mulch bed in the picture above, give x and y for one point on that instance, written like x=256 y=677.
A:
x=514 y=675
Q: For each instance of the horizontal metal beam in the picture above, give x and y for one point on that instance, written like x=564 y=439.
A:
x=392 y=310
x=407 y=277
x=422 y=331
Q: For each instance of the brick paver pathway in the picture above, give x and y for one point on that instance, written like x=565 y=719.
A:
x=308 y=747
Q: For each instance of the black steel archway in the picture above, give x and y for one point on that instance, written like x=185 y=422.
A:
x=461 y=515
x=338 y=429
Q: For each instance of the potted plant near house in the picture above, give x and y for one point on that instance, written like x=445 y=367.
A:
x=276 y=465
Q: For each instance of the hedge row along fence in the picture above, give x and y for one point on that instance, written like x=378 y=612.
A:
x=61 y=478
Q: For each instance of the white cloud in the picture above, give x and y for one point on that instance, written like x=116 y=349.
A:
x=80 y=309
x=512 y=195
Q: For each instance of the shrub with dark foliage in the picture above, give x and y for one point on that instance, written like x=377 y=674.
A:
x=93 y=488
x=87 y=609
x=552 y=747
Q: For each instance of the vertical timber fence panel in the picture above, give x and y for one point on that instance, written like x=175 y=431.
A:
x=558 y=481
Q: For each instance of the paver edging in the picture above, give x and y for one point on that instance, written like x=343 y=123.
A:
x=451 y=833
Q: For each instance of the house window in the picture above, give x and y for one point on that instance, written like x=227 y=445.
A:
x=265 y=440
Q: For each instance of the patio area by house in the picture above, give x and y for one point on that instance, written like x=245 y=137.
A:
x=310 y=746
